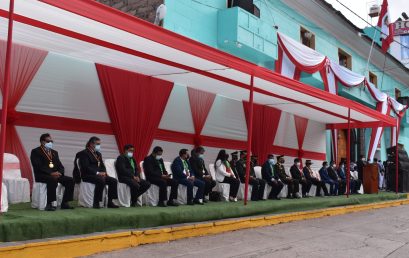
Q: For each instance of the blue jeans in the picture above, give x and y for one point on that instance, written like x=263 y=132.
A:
x=190 y=184
x=333 y=186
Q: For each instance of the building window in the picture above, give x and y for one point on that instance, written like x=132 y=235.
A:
x=307 y=38
x=345 y=59
x=373 y=79
x=404 y=40
x=397 y=93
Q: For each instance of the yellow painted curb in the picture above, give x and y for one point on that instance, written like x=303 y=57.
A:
x=81 y=246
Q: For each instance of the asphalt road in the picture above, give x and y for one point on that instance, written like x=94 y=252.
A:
x=376 y=233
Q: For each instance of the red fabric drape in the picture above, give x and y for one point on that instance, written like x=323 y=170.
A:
x=265 y=124
x=24 y=65
x=135 y=105
x=301 y=128
x=200 y=104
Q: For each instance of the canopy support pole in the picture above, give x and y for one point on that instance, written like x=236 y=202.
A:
x=249 y=140
x=5 y=92
x=348 y=153
x=397 y=153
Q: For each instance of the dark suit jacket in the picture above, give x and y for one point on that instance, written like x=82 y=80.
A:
x=233 y=165
x=332 y=173
x=241 y=170
x=307 y=174
x=296 y=173
x=124 y=168
x=89 y=164
x=41 y=163
x=342 y=174
x=324 y=174
x=178 y=169
x=280 y=171
x=152 y=169
x=267 y=172
x=198 y=167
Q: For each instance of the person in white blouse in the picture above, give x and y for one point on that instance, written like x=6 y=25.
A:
x=224 y=174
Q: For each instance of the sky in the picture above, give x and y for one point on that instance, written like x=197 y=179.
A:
x=361 y=7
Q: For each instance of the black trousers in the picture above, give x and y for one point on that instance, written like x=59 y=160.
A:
x=52 y=184
x=100 y=183
x=234 y=185
x=258 y=186
x=209 y=184
x=137 y=188
x=305 y=186
x=292 y=184
x=276 y=187
x=319 y=184
x=342 y=187
x=355 y=185
x=163 y=188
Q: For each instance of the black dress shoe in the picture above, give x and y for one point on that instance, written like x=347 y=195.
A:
x=96 y=206
x=49 y=207
x=277 y=198
x=134 y=204
x=190 y=203
x=205 y=201
x=162 y=204
x=198 y=202
x=112 y=205
x=66 y=206
x=172 y=203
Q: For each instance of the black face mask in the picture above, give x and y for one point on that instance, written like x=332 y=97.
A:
x=282 y=161
x=227 y=156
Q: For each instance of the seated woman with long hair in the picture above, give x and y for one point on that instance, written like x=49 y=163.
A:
x=224 y=174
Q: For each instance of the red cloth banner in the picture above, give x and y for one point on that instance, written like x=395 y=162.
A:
x=24 y=65
x=265 y=124
x=135 y=105
x=200 y=104
x=301 y=128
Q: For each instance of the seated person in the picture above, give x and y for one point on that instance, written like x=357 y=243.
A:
x=127 y=171
x=292 y=184
x=333 y=174
x=272 y=179
x=297 y=173
x=183 y=173
x=233 y=163
x=258 y=185
x=200 y=171
x=93 y=171
x=156 y=174
x=354 y=184
x=326 y=179
x=48 y=169
x=224 y=174
x=315 y=179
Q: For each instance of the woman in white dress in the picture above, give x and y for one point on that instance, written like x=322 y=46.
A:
x=224 y=174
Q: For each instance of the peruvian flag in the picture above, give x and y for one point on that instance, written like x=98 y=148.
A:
x=386 y=27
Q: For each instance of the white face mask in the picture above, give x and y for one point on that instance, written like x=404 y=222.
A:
x=297 y=164
x=271 y=161
x=98 y=147
x=48 y=145
x=334 y=165
x=363 y=159
x=201 y=156
x=158 y=157
x=129 y=154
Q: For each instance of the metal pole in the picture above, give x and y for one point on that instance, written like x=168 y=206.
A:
x=348 y=151
x=249 y=140
x=397 y=153
x=6 y=87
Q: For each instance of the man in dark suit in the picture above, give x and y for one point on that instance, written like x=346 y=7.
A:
x=360 y=164
x=233 y=163
x=326 y=179
x=127 y=170
x=292 y=184
x=268 y=175
x=156 y=174
x=297 y=173
x=333 y=174
x=258 y=185
x=315 y=179
x=93 y=171
x=200 y=171
x=183 y=173
x=48 y=169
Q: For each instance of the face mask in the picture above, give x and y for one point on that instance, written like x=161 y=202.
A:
x=201 y=156
x=130 y=154
x=158 y=157
x=297 y=164
x=271 y=161
x=363 y=159
x=282 y=161
x=342 y=166
x=48 y=145
x=98 y=147
x=334 y=166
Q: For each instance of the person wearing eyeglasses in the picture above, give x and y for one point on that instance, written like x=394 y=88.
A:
x=48 y=169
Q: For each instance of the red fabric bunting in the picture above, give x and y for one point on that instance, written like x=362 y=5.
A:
x=25 y=63
x=200 y=105
x=301 y=128
x=135 y=105
x=265 y=124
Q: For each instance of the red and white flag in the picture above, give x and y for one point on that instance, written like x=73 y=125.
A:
x=386 y=26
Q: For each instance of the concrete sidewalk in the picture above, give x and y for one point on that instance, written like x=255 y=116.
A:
x=375 y=233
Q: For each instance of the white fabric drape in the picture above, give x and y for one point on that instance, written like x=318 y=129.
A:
x=397 y=107
x=346 y=76
x=287 y=67
x=376 y=94
x=378 y=134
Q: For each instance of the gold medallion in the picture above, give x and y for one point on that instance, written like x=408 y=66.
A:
x=51 y=165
